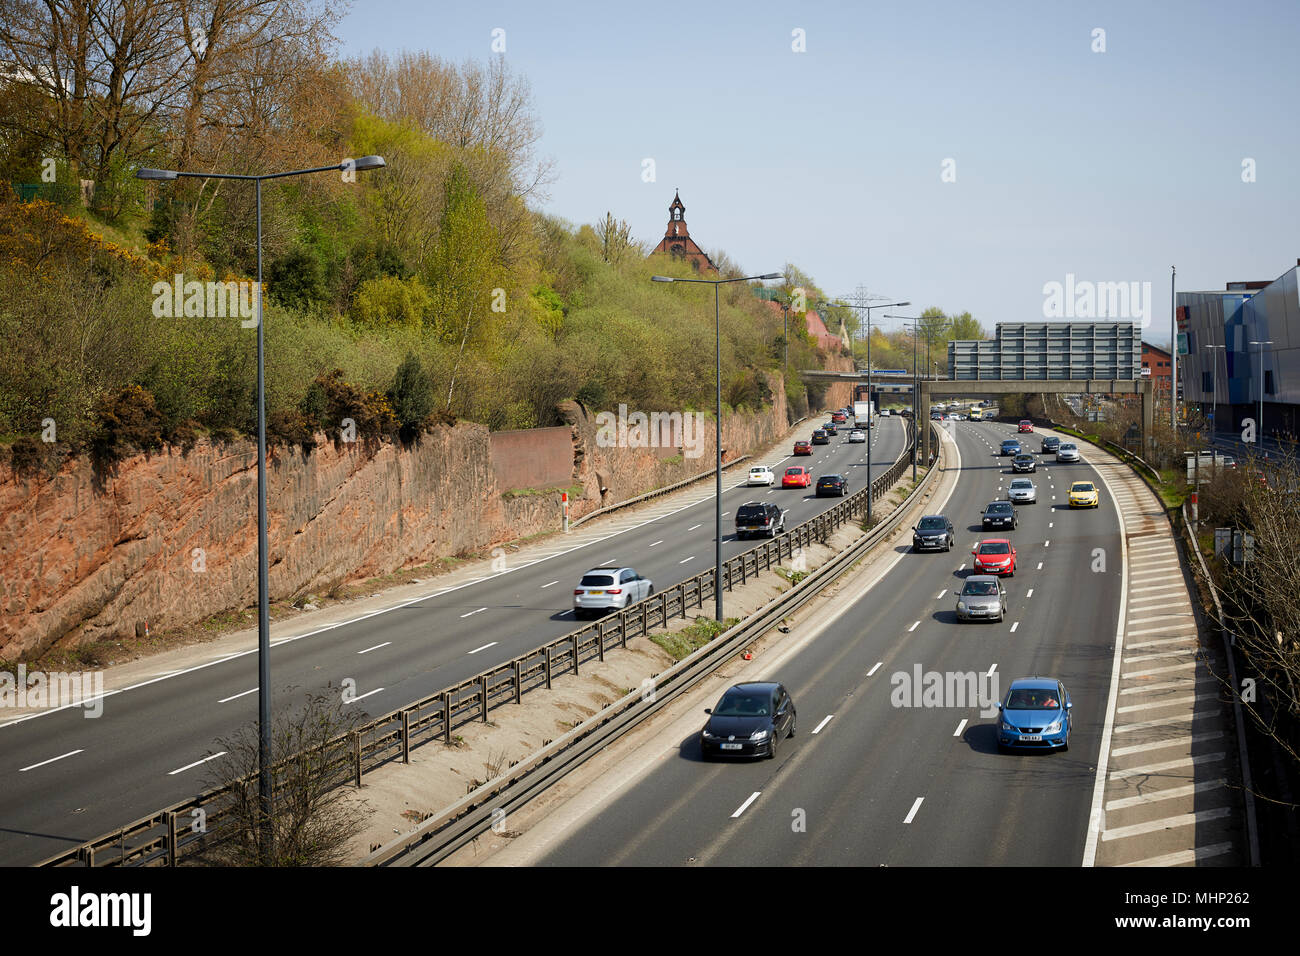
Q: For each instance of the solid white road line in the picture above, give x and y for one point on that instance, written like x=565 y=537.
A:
x=483 y=648
x=70 y=753
x=375 y=648
x=1185 y=856
x=1185 y=740
x=1181 y=820
x=237 y=696
x=911 y=814
x=825 y=720
x=745 y=806
x=190 y=766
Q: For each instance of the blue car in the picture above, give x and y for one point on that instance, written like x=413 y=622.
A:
x=1035 y=715
x=1010 y=446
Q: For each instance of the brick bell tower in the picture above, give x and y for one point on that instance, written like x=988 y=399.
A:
x=677 y=241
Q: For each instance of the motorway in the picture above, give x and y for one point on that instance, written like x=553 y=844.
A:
x=867 y=783
x=69 y=779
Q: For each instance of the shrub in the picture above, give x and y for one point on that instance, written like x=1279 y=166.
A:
x=411 y=397
x=124 y=420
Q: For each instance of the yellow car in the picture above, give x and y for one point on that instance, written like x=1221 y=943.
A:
x=1083 y=494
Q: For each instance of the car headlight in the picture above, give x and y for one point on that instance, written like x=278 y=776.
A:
x=706 y=735
x=1005 y=726
x=759 y=735
x=1055 y=728
x=961 y=605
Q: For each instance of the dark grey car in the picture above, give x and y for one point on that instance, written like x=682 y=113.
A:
x=933 y=532
x=982 y=598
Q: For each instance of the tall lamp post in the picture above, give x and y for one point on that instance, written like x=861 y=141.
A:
x=913 y=322
x=263 y=613
x=1214 y=395
x=717 y=509
x=1259 y=420
x=871 y=430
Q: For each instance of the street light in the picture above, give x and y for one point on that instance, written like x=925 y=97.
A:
x=871 y=428
x=263 y=576
x=717 y=508
x=915 y=323
x=1214 y=396
x=1259 y=421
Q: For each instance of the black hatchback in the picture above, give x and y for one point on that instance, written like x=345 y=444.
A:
x=748 y=721
x=999 y=514
x=831 y=485
x=1049 y=445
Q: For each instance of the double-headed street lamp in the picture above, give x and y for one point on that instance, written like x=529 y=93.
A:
x=717 y=510
x=347 y=167
x=914 y=322
x=1259 y=420
x=871 y=428
x=1214 y=396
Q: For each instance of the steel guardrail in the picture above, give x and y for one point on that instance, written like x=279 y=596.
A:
x=480 y=810
x=167 y=835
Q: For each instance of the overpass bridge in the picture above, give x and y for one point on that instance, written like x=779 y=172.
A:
x=931 y=389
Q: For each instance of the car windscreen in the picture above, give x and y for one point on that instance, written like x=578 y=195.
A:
x=1066 y=447
x=596 y=580
x=743 y=704
x=1019 y=483
x=1011 y=443
x=794 y=471
x=980 y=588
x=1081 y=486
x=932 y=524
x=999 y=508
x=1032 y=700
x=995 y=549
x=747 y=512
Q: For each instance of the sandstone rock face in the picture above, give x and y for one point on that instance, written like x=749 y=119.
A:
x=169 y=539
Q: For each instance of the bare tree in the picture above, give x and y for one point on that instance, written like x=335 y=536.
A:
x=313 y=821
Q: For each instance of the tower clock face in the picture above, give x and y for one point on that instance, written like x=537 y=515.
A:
x=678 y=249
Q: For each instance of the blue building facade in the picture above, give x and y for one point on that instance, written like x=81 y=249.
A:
x=1222 y=372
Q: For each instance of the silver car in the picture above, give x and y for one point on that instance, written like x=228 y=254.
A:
x=607 y=589
x=982 y=598
x=1022 y=490
x=1067 y=452
x=856 y=436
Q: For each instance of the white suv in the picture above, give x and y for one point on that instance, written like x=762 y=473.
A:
x=607 y=589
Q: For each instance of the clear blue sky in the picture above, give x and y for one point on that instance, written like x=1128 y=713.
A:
x=1112 y=166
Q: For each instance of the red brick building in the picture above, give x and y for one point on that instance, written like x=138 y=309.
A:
x=677 y=240
x=1156 y=365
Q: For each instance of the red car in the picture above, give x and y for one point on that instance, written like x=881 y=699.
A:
x=803 y=448
x=995 y=556
x=839 y=418
x=1026 y=426
x=796 y=477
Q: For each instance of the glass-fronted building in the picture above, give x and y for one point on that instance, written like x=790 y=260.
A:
x=1222 y=372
